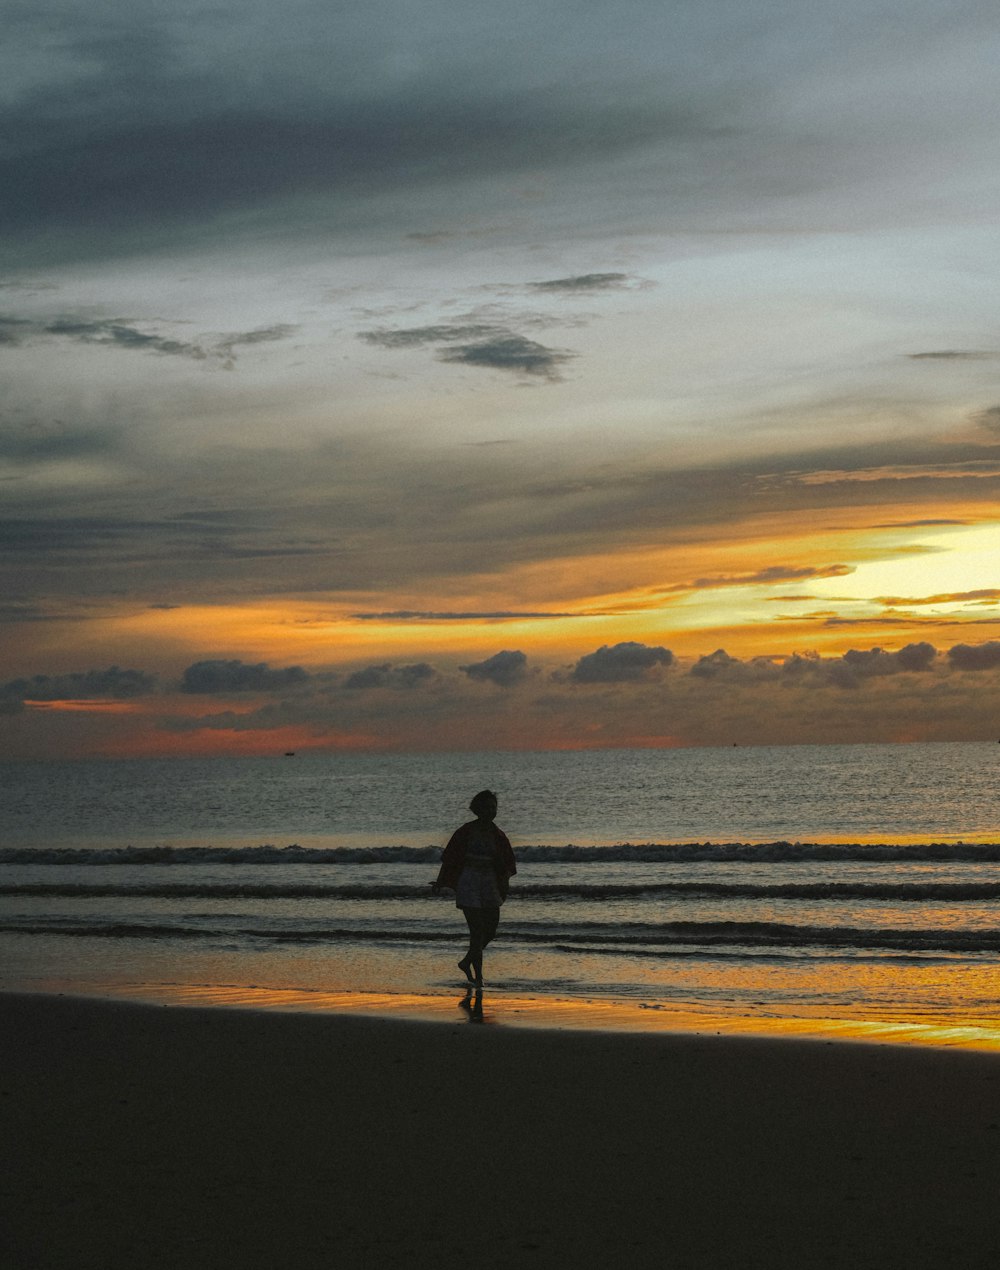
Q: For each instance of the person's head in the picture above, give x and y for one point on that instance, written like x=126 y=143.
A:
x=484 y=805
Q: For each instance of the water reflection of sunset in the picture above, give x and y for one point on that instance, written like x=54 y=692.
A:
x=978 y=1033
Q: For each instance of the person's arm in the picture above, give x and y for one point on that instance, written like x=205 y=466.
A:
x=507 y=858
x=506 y=865
x=451 y=863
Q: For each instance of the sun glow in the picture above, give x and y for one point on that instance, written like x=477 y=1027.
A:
x=953 y=563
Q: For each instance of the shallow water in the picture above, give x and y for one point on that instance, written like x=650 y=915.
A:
x=647 y=880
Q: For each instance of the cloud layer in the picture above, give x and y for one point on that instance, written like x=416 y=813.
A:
x=621 y=695
x=566 y=349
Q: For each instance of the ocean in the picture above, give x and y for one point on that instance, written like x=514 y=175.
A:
x=844 y=889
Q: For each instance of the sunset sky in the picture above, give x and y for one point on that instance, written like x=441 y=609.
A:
x=457 y=377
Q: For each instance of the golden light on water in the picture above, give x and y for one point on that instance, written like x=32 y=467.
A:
x=593 y=1014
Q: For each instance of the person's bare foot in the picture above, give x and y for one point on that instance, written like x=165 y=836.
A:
x=465 y=965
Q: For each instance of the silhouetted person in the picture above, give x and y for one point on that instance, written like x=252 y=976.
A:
x=477 y=864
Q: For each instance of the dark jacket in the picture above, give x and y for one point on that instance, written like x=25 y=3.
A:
x=453 y=858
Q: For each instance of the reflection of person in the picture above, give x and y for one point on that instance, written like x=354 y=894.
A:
x=477 y=864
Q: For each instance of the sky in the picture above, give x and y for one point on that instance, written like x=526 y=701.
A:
x=437 y=376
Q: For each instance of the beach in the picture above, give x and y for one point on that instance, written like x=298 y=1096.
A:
x=167 y=1136
x=835 y=889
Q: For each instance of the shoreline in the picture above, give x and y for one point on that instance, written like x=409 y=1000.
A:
x=538 y=1013
x=164 y=1136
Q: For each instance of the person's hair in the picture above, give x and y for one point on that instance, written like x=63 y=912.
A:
x=484 y=796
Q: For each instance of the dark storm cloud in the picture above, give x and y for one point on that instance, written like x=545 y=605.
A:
x=504 y=669
x=389 y=676
x=113 y=683
x=223 y=677
x=621 y=663
x=584 y=282
x=118 y=333
x=975 y=656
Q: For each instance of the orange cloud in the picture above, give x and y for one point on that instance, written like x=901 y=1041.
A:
x=84 y=707
x=152 y=742
x=988 y=595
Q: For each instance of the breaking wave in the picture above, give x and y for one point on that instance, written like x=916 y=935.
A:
x=633 y=939
x=623 y=853
x=571 y=890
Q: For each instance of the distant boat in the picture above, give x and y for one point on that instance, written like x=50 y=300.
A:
x=289 y=753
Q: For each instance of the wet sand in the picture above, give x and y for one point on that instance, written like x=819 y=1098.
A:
x=163 y=1136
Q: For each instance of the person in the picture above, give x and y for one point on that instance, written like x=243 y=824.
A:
x=477 y=864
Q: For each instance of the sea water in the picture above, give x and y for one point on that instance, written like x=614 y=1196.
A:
x=855 y=883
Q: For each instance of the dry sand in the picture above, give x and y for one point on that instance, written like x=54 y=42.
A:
x=145 y=1137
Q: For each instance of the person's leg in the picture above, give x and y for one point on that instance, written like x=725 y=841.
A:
x=491 y=920
x=473 y=959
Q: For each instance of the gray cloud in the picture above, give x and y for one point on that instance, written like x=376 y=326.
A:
x=719 y=665
x=14 y=330
x=775 y=573
x=131 y=128
x=510 y=353
x=262 y=335
x=43 y=441
x=417 y=336
x=113 y=683
x=175 y=163
x=109 y=543
x=848 y=671
x=389 y=676
x=952 y=355
x=505 y=669
x=492 y=347
x=351 y=514
x=621 y=663
x=223 y=677
x=975 y=656
x=989 y=419
x=918 y=524
x=858 y=664
x=122 y=336
x=119 y=333
x=584 y=282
